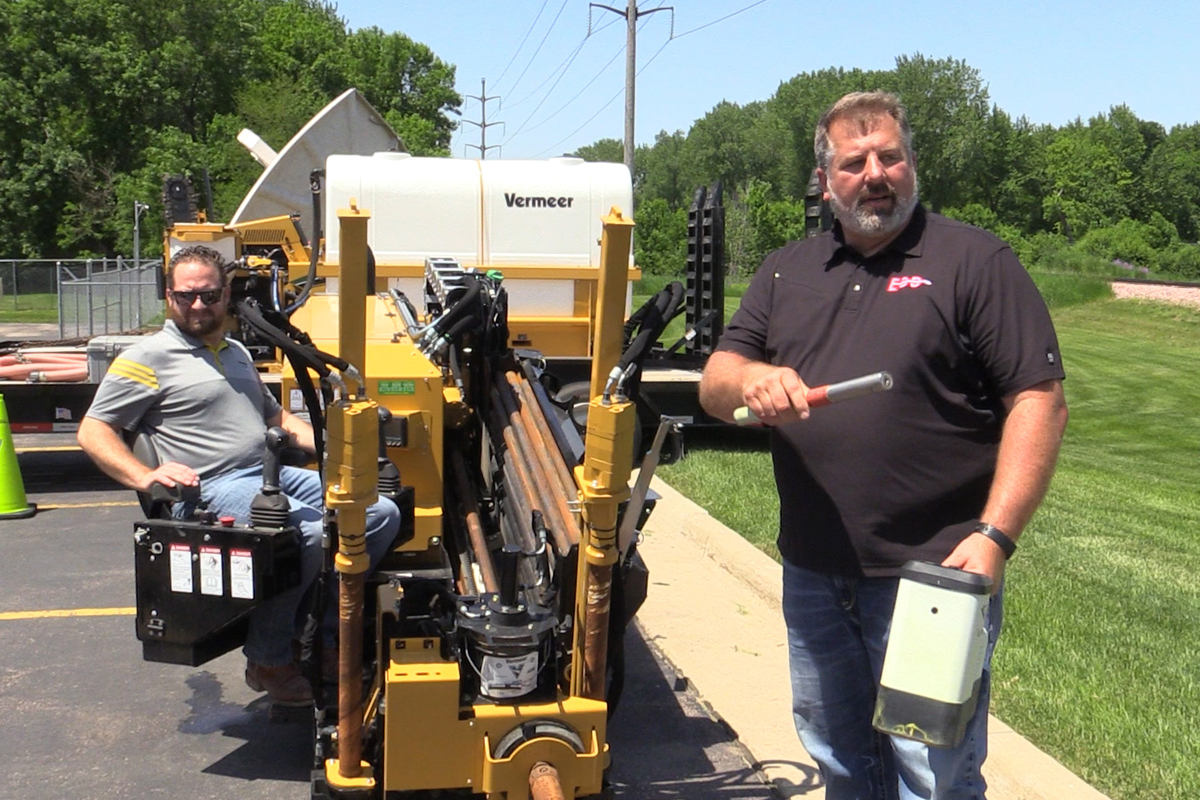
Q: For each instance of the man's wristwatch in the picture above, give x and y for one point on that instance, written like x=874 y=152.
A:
x=998 y=536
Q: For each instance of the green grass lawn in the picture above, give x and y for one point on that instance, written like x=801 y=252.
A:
x=29 y=308
x=1099 y=663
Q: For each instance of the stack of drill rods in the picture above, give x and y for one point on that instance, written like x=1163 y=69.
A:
x=542 y=445
x=516 y=477
x=524 y=389
x=534 y=484
x=466 y=496
x=522 y=533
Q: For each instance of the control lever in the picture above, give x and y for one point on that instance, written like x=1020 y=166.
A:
x=637 y=498
x=269 y=509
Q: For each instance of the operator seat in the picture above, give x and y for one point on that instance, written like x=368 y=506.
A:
x=156 y=504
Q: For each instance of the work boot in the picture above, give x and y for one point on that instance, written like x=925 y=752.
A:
x=285 y=686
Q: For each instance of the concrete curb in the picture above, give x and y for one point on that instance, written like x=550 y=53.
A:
x=713 y=610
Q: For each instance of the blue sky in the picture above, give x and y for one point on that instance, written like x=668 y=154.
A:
x=1050 y=61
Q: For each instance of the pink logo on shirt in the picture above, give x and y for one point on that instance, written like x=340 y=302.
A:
x=907 y=282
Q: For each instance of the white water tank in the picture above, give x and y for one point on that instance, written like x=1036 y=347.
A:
x=490 y=213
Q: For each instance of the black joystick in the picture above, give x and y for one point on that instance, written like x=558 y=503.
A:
x=269 y=509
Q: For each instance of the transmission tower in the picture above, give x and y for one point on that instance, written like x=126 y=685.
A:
x=483 y=124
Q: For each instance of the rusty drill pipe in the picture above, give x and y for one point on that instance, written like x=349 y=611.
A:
x=544 y=783
x=525 y=481
x=542 y=482
x=595 y=630
x=529 y=399
x=541 y=449
x=523 y=450
x=350 y=712
x=466 y=496
x=521 y=514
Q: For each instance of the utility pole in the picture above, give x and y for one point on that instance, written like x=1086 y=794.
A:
x=483 y=124
x=139 y=208
x=631 y=14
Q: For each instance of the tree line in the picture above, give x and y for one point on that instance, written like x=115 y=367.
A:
x=1113 y=195
x=100 y=98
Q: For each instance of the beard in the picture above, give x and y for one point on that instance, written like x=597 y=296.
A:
x=198 y=325
x=866 y=221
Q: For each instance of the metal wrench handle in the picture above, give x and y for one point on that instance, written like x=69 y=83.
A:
x=830 y=393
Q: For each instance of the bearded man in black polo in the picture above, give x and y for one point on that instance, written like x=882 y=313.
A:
x=948 y=467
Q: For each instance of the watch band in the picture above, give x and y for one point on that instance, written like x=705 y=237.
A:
x=998 y=536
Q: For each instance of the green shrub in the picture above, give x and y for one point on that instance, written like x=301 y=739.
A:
x=983 y=217
x=1182 y=261
x=1128 y=241
x=1034 y=250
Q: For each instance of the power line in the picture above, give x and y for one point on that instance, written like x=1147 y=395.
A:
x=579 y=93
x=639 y=72
x=722 y=19
x=566 y=62
x=539 y=47
x=546 y=97
x=606 y=105
x=522 y=44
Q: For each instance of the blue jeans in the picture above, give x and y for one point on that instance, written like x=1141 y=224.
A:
x=274 y=623
x=837 y=636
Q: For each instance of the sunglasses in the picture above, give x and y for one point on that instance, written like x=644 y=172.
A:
x=207 y=296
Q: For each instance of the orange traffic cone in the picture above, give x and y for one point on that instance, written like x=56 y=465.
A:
x=12 y=489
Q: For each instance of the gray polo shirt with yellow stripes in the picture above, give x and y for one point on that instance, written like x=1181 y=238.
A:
x=203 y=407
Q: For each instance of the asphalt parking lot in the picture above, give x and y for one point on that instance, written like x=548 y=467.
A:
x=86 y=717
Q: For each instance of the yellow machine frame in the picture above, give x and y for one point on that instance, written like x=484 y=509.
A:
x=430 y=740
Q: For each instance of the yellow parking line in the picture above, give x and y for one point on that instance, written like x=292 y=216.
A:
x=69 y=612
x=113 y=504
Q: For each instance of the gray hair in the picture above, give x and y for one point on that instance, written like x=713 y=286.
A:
x=860 y=106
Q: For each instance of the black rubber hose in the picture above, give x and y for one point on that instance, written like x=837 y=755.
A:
x=464 y=305
x=664 y=307
x=314 y=183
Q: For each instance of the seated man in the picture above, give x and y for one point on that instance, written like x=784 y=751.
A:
x=200 y=398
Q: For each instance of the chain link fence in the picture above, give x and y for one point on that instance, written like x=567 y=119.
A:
x=86 y=297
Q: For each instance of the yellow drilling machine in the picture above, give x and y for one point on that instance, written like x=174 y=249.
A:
x=482 y=656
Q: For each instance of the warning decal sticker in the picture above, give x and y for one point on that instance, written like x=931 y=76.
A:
x=211 y=571
x=241 y=574
x=181 y=568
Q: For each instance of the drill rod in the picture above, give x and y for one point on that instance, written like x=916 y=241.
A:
x=540 y=482
x=541 y=450
x=544 y=783
x=526 y=480
x=466 y=496
x=529 y=399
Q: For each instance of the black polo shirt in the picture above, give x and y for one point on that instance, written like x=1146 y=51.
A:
x=948 y=310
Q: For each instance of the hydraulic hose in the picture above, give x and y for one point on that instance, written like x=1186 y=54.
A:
x=38 y=367
x=443 y=324
x=314 y=183
x=660 y=310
